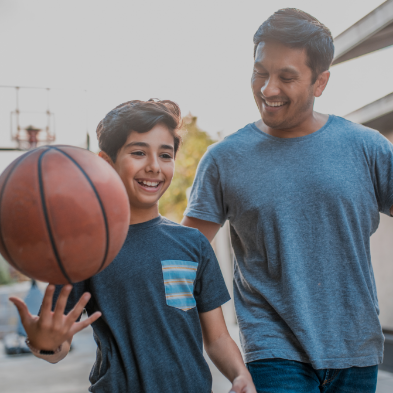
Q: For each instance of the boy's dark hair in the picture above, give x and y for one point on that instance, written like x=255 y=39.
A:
x=139 y=116
x=297 y=29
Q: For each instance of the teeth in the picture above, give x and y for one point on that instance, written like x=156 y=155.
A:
x=150 y=183
x=274 y=103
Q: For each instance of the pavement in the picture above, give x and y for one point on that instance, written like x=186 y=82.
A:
x=27 y=374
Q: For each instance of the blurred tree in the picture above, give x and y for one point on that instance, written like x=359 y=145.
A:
x=195 y=142
x=5 y=276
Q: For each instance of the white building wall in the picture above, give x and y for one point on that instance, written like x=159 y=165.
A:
x=382 y=260
x=223 y=250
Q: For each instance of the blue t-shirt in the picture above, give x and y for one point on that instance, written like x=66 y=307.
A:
x=301 y=213
x=149 y=336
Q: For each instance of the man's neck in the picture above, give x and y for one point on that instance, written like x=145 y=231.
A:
x=139 y=215
x=311 y=124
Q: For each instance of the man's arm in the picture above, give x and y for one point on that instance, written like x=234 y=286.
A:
x=391 y=212
x=224 y=352
x=208 y=228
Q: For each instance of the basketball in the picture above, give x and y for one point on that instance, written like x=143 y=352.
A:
x=64 y=214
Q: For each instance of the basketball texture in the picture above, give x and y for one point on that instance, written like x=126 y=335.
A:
x=64 y=214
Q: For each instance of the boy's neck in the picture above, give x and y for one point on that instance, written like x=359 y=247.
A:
x=142 y=215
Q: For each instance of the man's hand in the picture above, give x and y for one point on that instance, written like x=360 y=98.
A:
x=52 y=328
x=243 y=384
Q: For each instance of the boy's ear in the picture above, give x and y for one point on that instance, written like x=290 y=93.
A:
x=105 y=156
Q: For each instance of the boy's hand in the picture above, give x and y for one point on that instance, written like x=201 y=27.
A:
x=243 y=384
x=52 y=328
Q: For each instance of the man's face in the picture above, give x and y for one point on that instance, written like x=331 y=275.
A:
x=281 y=83
x=146 y=164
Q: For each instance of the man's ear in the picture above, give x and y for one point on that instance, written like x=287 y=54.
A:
x=321 y=83
x=105 y=156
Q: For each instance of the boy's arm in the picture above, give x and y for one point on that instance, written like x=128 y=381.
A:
x=52 y=329
x=224 y=352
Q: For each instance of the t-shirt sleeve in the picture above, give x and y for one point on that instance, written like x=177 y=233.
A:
x=206 y=198
x=210 y=290
x=78 y=289
x=383 y=172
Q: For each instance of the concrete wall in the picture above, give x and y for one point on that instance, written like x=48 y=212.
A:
x=382 y=260
x=223 y=250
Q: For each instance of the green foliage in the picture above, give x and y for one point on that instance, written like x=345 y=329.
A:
x=5 y=277
x=195 y=142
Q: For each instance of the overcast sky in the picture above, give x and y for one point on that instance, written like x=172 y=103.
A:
x=197 y=53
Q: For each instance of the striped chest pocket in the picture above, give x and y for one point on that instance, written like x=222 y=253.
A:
x=179 y=278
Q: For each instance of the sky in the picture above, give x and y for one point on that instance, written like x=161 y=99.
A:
x=197 y=53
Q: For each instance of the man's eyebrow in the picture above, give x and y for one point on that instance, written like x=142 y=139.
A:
x=290 y=70
x=259 y=65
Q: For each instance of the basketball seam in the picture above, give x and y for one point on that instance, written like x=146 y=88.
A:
x=19 y=160
x=46 y=216
x=99 y=201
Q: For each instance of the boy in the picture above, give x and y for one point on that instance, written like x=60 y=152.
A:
x=152 y=305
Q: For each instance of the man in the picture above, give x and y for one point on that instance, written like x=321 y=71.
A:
x=303 y=192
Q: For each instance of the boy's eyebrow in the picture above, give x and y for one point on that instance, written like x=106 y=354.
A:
x=144 y=144
x=167 y=147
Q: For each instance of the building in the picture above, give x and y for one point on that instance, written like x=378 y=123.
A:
x=370 y=34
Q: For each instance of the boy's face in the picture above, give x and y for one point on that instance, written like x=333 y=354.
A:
x=146 y=164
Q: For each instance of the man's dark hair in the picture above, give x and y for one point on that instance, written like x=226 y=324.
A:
x=297 y=29
x=139 y=116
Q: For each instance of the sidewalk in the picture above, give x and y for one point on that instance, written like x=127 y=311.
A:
x=26 y=374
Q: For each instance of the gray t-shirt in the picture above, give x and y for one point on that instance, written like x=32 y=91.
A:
x=301 y=214
x=149 y=336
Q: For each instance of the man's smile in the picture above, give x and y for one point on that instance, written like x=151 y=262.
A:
x=273 y=105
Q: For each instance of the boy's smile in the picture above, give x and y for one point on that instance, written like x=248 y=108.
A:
x=149 y=185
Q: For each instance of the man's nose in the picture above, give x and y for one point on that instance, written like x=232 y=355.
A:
x=271 y=87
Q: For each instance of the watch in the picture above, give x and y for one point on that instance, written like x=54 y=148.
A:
x=42 y=351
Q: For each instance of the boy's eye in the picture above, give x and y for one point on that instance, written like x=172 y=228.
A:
x=166 y=155
x=138 y=153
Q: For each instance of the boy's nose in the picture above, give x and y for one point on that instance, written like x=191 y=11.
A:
x=153 y=166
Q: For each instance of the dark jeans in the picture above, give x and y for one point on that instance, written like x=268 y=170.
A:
x=288 y=376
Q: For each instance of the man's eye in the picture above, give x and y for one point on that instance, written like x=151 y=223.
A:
x=262 y=75
x=138 y=153
x=287 y=79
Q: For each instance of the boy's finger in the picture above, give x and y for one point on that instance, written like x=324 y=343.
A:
x=62 y=302
x=22 y=309
x=83 y=324
x=74 y=314
x=46 y=307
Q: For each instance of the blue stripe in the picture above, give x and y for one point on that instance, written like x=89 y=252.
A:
x=178 y=288
x=179 y=274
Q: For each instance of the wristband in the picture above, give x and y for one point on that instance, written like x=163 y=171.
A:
x=42 y=351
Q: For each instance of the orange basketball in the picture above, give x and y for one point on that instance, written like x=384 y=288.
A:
x=64 y=214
